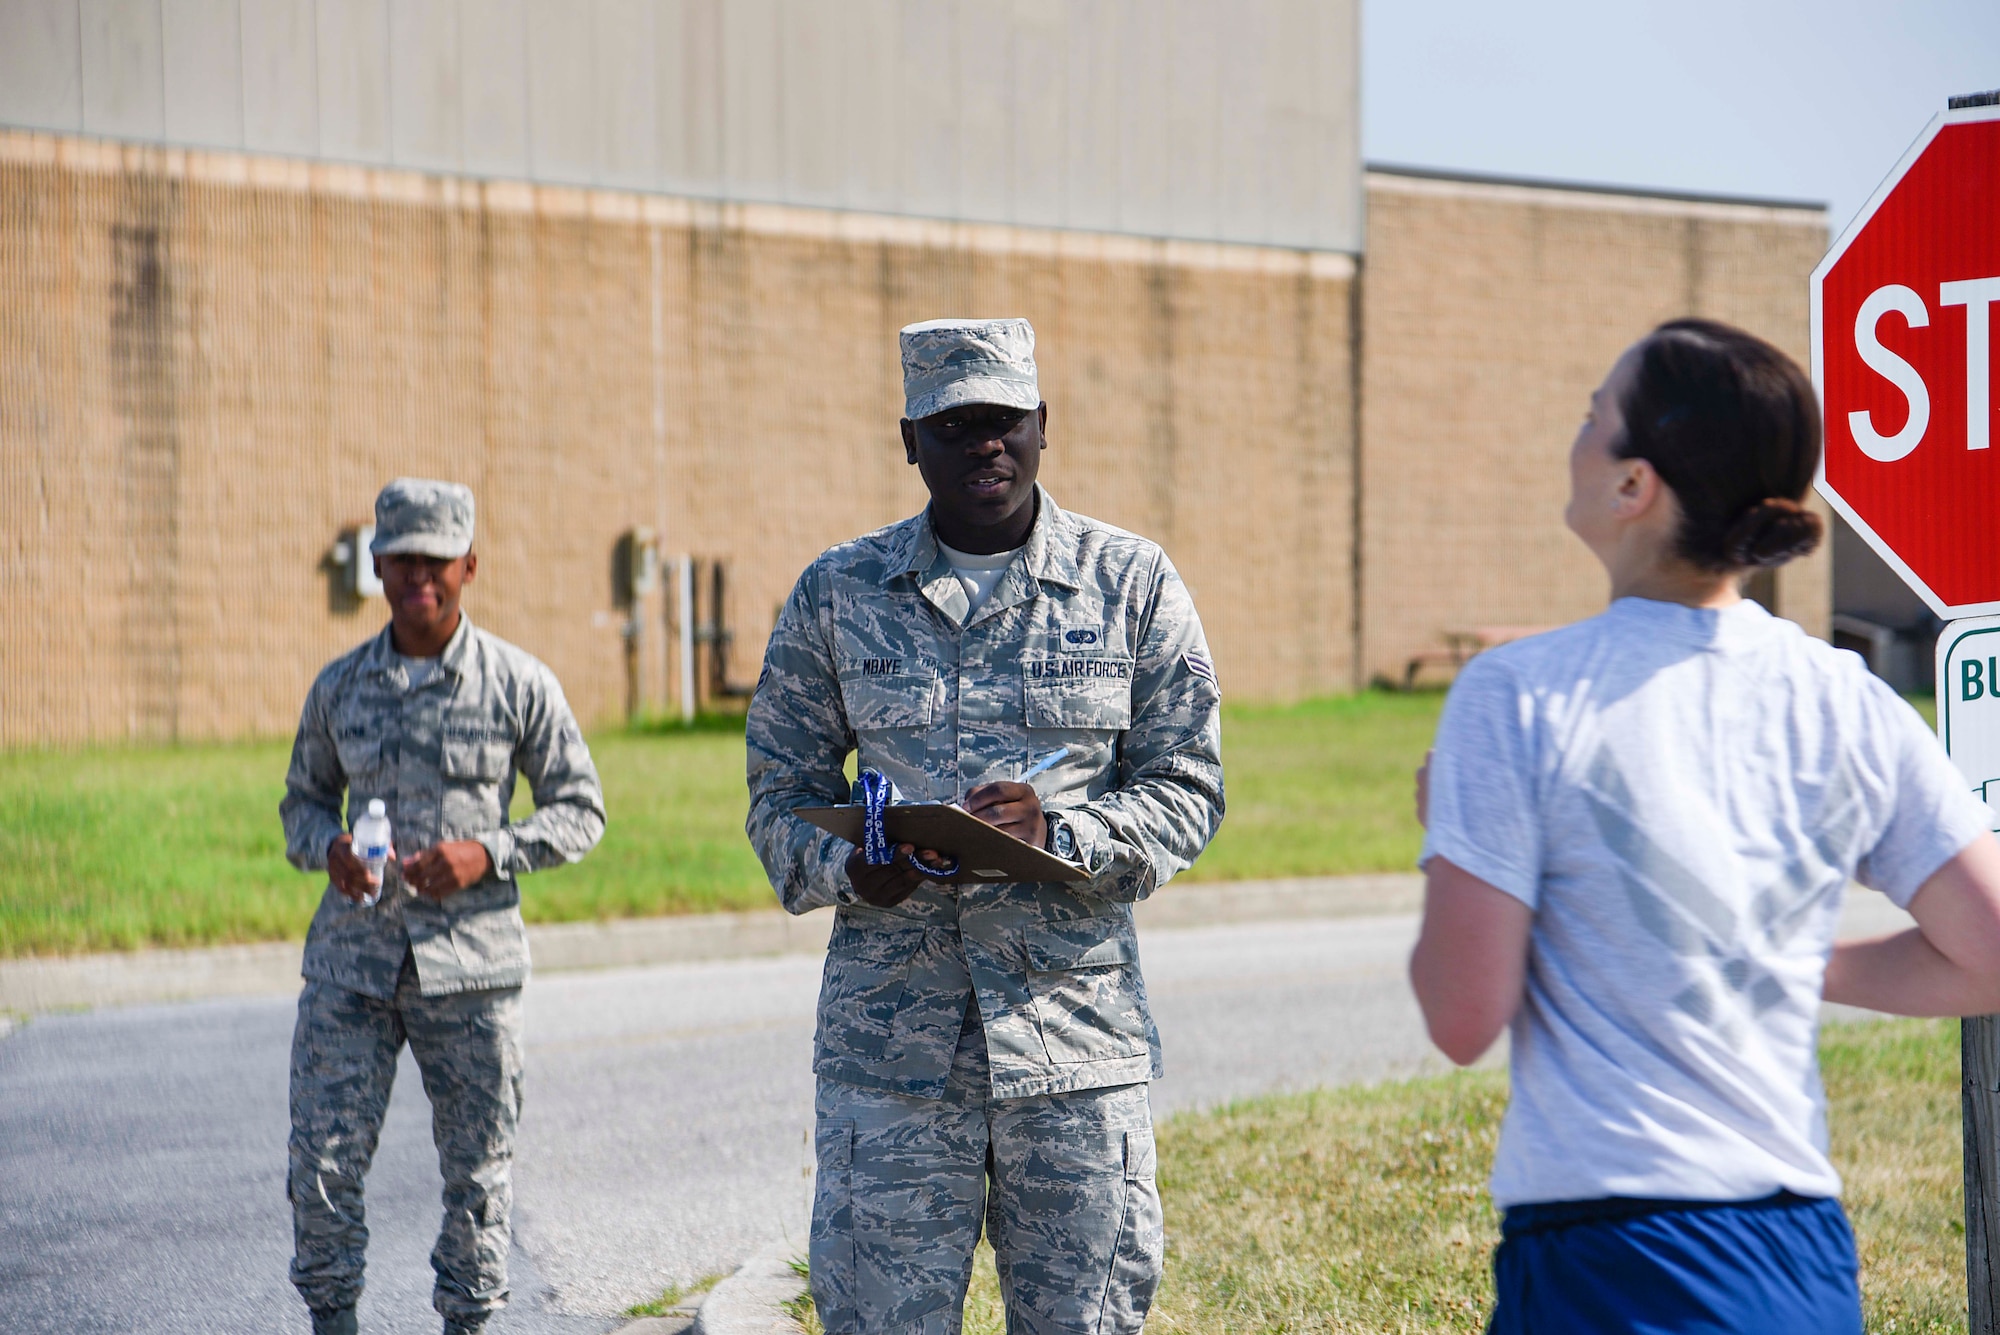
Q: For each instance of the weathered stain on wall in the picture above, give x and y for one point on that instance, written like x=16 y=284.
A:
x=147 y=372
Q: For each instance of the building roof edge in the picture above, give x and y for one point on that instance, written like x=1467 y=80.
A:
x=1588 y=187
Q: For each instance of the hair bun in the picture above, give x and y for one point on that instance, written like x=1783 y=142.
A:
x=1772 y=532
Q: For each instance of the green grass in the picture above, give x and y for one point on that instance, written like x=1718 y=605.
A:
x=1322 y=788
x=800 y=1309
x=120 y=847
x=139 y=846
x=673 y=1296
x=1894 y=1114
x=674 y=842
x=1365 y=1209
x=116 y=848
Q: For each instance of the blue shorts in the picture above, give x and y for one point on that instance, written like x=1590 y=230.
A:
x=1782 y=1265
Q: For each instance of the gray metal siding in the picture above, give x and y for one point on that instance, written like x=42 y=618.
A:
x=1204 y=119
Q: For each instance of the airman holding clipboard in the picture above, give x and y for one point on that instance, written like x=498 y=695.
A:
x=984 y=1045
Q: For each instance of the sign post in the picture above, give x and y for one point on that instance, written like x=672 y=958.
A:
x=1903 y=315
x=1968 y=700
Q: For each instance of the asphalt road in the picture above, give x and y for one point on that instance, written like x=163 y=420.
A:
x=665 y=1135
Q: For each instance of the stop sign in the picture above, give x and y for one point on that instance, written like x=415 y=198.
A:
x=1902 y=346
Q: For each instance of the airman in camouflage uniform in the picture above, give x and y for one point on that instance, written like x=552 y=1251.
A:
x=983 y=1049
x=434 y=717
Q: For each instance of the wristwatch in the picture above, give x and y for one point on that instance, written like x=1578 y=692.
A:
x=1062 y=839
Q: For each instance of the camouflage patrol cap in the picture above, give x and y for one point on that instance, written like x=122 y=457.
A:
x=950 y=362
x=415 y=514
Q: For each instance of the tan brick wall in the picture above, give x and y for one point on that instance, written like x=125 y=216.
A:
x=1489 y=314
x=209 y=363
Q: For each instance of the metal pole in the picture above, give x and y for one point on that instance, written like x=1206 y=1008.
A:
x=718 y=635
x=632 y=631
x=1979 y=1087
x=684 y=599
x=1979 y=1063
x=1979 y=1110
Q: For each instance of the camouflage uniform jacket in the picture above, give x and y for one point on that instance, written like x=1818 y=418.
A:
x=1091 y=641
x=442 y=757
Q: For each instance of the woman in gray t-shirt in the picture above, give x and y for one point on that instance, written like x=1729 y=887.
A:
x=1640 y=829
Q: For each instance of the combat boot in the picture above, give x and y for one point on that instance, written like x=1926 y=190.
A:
x=335 y=1321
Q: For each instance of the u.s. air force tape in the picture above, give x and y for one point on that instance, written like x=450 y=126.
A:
x=875 y=793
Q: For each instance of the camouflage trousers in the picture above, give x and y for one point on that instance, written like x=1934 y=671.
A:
x=344 y=1050
x=1064 y=1183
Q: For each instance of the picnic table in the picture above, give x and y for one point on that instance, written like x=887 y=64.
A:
x=1462 y=646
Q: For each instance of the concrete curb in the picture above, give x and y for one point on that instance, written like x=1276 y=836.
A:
x=124 y=978
x=677 y=1324
x=752 y=1301
x=46 y=983
x=38 y=983
x=1207 y=904
x=679 y=1320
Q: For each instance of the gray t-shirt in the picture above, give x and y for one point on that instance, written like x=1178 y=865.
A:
x=419 y=672
x=978 y=573
x=1681 y=796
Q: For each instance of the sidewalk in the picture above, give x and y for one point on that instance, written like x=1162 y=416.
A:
x=45 y=983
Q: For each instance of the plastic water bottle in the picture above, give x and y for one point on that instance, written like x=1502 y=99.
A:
x=371 y=845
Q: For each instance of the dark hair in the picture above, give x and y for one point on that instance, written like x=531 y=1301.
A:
x=1731 y=424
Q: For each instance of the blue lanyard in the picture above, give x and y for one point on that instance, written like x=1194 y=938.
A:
x=874 y=792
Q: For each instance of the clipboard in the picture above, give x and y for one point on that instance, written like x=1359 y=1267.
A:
x=984 y=852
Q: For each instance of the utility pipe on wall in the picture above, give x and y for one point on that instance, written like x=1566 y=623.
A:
x=684 y=602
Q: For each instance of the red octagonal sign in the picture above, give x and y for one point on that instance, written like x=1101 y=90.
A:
x=1903 y=309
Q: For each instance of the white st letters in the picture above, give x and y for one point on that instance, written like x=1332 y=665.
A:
x=1977 y=296
x=1906 y=303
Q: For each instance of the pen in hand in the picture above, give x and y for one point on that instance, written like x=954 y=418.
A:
x=1014 y=806
x=1048 y=761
